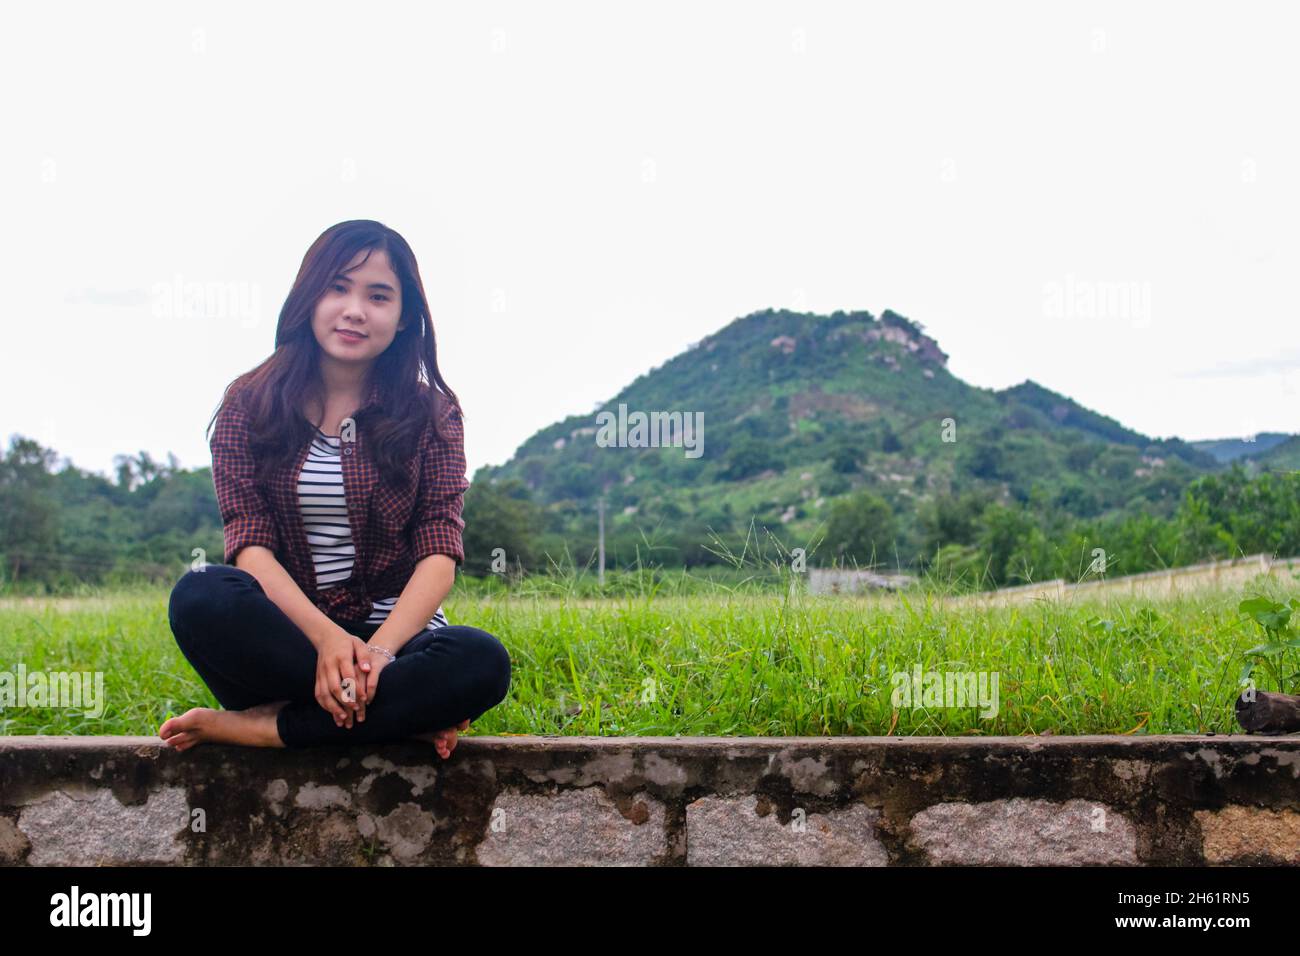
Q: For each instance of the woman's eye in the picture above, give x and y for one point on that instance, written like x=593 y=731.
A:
x=339 y=287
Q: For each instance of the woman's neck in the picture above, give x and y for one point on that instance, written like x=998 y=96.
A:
x=343 y=384
x=342 y=390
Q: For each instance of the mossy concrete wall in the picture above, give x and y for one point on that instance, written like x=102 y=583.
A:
x=654 y=801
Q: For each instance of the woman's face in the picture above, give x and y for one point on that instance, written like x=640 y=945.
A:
x=366 y=300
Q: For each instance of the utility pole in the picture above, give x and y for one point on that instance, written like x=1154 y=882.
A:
x=601 y=546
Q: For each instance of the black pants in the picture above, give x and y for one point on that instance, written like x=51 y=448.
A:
x=249 y=652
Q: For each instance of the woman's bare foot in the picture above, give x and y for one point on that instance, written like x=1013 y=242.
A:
x=443 y=740
x=254 y=727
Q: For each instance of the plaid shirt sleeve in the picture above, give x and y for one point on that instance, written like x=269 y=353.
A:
x=245 y=515
x=438 y=524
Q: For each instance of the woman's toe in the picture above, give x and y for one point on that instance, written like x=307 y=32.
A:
x=187 y=721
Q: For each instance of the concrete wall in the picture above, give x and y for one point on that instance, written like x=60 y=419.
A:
x=854 y=581
x=1228 y=573
x=653 y=801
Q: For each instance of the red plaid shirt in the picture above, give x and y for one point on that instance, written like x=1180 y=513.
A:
x=391 y=532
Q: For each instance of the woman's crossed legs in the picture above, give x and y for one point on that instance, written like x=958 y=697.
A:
x=262 y=669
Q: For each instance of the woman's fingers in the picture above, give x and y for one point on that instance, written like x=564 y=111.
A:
x=322 y=694
x=361 y=651
x=347 y=695
x=361 y=695
x=372 y=682
x=334 y=689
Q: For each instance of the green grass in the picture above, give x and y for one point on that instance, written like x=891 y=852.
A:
x=730 y=662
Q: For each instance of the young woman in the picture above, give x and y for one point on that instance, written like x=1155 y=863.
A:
x=339 y=468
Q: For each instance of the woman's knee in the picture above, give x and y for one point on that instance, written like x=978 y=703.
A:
x=199 y=594
x=492 y=662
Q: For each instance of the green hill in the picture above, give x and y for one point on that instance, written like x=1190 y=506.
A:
x=801 y=409
x=1230 y=449
x=1282 y=456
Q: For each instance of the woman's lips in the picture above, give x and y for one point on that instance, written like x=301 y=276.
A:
x=350 y=336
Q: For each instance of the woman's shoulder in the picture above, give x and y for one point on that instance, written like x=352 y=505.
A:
x=237 y=400
x=232 y=414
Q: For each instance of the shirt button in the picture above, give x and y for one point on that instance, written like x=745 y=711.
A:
x=347 y=451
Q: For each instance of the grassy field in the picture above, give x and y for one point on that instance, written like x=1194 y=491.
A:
x=733 y=661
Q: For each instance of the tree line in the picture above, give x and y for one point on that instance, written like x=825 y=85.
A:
x=61 y=527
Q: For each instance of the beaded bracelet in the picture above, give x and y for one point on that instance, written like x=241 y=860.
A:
x=385 y=652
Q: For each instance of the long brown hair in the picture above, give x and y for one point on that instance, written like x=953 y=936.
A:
x=269 y=393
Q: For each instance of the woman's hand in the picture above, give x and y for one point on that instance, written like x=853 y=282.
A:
x=340 y=657
x=370 y=683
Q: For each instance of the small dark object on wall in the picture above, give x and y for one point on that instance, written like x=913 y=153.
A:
x=1269 y=713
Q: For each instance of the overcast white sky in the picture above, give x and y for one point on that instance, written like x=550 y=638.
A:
x=591 y=187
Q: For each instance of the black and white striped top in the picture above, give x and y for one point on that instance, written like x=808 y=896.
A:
x=325 y=514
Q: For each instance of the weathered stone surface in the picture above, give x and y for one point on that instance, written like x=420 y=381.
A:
x=1249 y=833
x=315 y=797
x=405 y=832
x=625 y=801
x=326 y=839
x=806 y=774
x=573 y=828
x=13 y=843
x=420 y=778
x=95 y=828
x=731 y=831
x=1021 y=832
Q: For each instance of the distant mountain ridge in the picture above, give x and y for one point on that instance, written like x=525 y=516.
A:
x=1253 y=446
x=800 y=409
